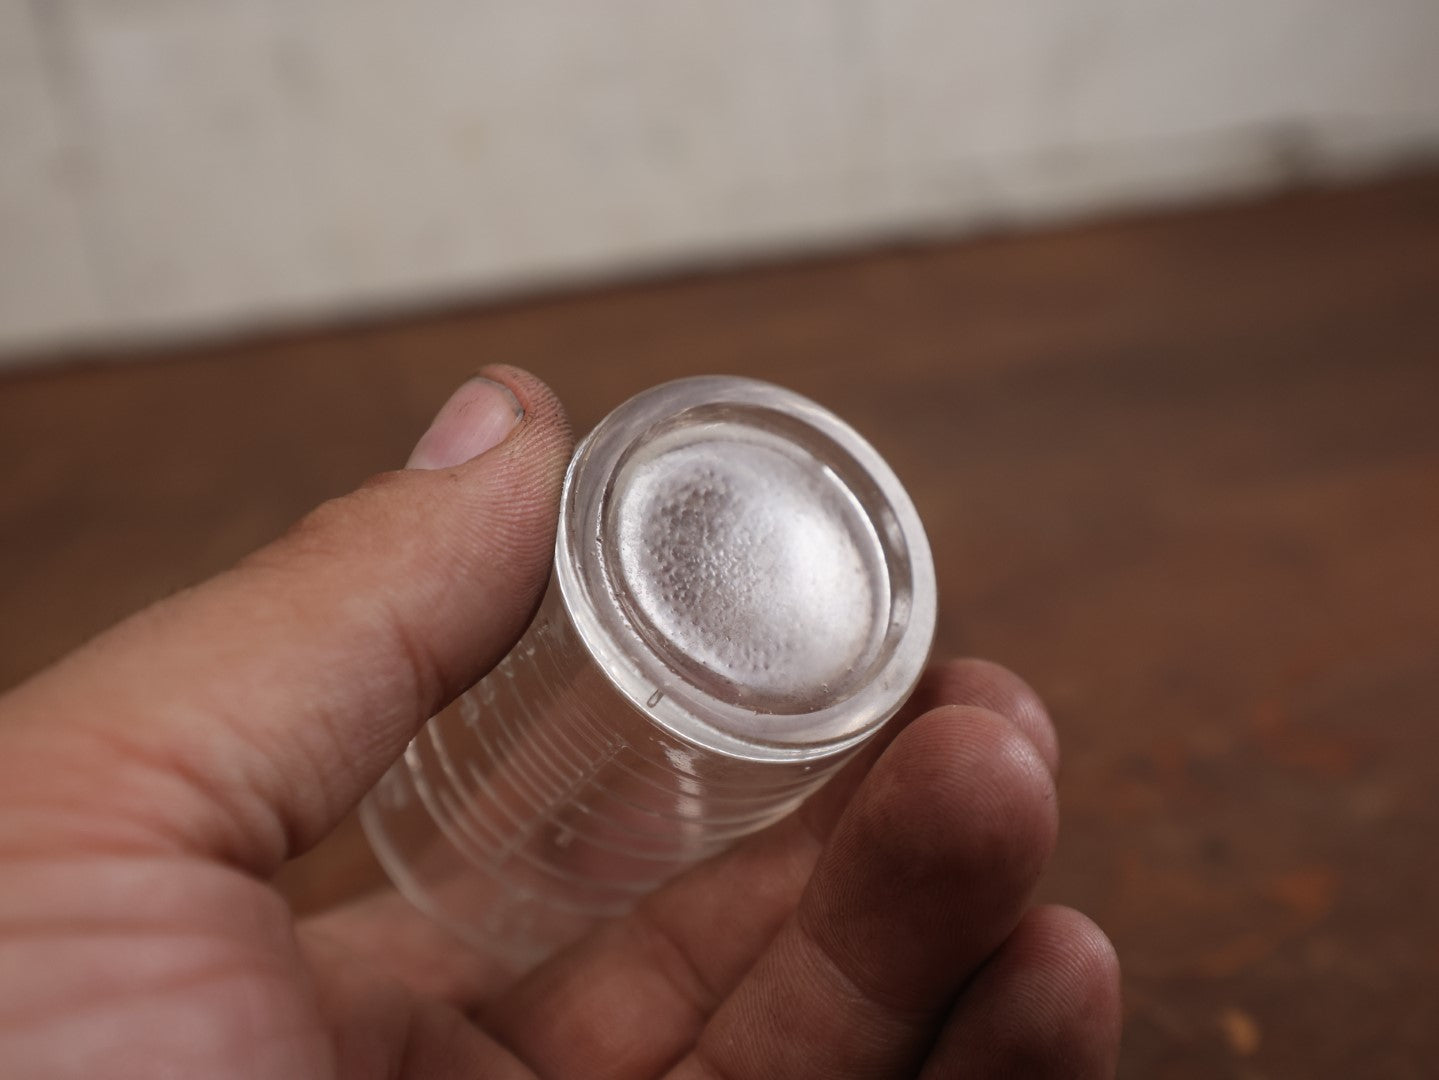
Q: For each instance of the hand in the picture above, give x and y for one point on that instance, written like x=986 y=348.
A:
x=153 y=782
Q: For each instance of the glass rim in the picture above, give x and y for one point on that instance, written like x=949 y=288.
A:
x=652 y=682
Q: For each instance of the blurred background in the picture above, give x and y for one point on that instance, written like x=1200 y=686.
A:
x=176 y=167
x=1140 y=297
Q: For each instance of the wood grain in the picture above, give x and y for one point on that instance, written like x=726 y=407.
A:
x=1181 y=472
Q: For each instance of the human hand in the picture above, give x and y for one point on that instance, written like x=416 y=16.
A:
x=153 y=782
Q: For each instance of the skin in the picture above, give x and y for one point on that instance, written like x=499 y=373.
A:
x=153 y=782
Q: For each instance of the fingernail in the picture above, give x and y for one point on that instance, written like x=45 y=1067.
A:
x=477 y=418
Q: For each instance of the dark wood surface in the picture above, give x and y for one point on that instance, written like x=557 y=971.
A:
x=1181 y=472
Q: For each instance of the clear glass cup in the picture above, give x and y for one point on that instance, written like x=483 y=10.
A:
x=742 y=595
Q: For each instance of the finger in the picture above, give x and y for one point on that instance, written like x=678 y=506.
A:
x=242 y=718
x=1045 y=1005
x=379 y=1029
x=968 y=681
x=989 y=686
x=392 y=935
x=928 y=870
x=723 y=894
x=643 y=987
x=686 y=946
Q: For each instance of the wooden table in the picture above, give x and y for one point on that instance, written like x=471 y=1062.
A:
x=1182 y=472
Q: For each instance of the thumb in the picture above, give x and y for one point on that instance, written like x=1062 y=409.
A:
x=242 y=718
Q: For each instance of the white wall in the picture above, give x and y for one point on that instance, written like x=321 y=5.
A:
x=180 y=166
